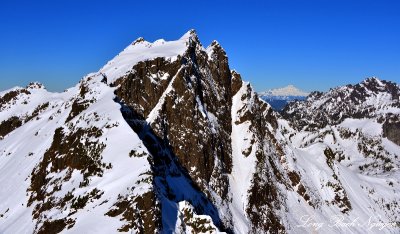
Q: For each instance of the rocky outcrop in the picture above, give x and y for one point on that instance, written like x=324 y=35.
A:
x=9 y=97
x=188 y=108
x=391 y=130
x=7 y=126
x=142 y=89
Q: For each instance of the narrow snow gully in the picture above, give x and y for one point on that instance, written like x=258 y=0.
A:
x=172 y=183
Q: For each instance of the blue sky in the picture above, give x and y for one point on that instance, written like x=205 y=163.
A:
x=314 y=45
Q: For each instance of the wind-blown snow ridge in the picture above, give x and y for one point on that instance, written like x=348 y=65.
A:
x=142 y=50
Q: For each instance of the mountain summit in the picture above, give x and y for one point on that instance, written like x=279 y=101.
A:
x=166 y=138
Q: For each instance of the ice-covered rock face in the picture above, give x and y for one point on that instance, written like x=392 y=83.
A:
x=167 y=138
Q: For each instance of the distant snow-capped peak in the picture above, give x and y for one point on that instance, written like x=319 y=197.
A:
x=289 y=90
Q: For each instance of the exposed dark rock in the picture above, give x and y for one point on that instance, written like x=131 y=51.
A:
x=141 y=213
x=142 y=89
x=35 y=85
x=55 y=226
x=40 y=108
x=9 y=125
x=341 y=199
x=67 y=152
x=80 y=104
x=164 y=164
x=77 y=108
x=236 y=82
x=265 y=199
x=197 y=224
x=391 y=130
x=200 y=86
x=10 y=96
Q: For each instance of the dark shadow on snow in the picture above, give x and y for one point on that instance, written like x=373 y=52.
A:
x=172 y=182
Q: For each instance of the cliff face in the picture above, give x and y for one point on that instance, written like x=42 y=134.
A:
x=189 y=109
x=191 y=115
x=391 y=127
x=167 y=138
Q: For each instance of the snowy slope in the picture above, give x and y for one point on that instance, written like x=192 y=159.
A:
x=23 y=149
x=342 y=133
x=362 y=189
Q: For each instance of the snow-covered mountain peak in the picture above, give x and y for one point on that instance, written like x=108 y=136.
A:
x=289 y=90
x=377 y=85
x=215 y=48
x=191 y=34
x=35 y=85
x=215 y=43
x=141 y=50
x=137 y=41
x=373 y=80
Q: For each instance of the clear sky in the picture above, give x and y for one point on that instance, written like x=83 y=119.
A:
x=313 y=45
